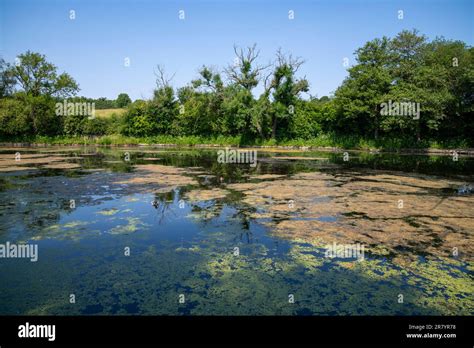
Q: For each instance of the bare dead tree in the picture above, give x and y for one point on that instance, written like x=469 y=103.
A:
x=294 y=63
x=286 y=65
x=162 y=80
x=245 y=71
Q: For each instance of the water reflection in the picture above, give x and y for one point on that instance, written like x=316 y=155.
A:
x=183 y=225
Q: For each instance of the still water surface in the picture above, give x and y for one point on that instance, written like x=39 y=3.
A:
x=172 y=231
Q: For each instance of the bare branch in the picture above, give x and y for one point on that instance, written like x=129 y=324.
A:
x=162 y=80
x=287 y=59
x=246 y=72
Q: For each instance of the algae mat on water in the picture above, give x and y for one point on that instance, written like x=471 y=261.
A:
x=183 y=234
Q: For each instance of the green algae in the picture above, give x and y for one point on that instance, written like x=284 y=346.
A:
x=133 y=225
x=108 y=212
x=215 y=281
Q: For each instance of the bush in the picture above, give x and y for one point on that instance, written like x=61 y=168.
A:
x=14 y=118
x=43 y=115
x=95 y=126
x=74 y=125
x=304 y=124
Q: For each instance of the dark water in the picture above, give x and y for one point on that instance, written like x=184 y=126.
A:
x=133 y=249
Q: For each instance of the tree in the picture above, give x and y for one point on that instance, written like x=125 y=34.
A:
x=14 y=118
x=448 y=79
x=408 y=70
x=261 y=120
x=305 y=122
x=103 y=103
x=436 y=75
x=208 y=80
x=155 y=116
x=40 y=85
x=162 y=80
x=238 y=110
x=359 y=97
x=207 y=99
x=245 y=71
x=7 y=81
x=38 y=77
x=162 y=110
x=137 y=120
x=123 y=100
x=285 y=89
x=244 y=74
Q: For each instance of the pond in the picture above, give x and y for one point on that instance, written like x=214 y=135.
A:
x=173 y=231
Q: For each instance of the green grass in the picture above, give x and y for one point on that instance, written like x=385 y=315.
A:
x=124 y=140
x=105 y=113
x=323 y=140
x=360 y=143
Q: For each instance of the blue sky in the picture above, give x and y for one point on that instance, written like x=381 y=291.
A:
x=93 y=47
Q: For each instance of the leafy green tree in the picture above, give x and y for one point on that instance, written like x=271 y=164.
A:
x=452 y=64
x=209 y=96
x=156 y=116
x=14 y=120
x=304 y=124
x=123 y=100
x=162 y=110
x=95 y=126
x=423 y=74
x=43 y=116
x=184 y=123
x=73 y=125
x=138 y=121
x=7 y=81
x=410 y=78
x=285 y=89
x=103 y=103
x=359 y=97
x=261 y=117
x=244 y=75
x=38 y=77
x=437 y=75
x=40 y=86
x=238 y=111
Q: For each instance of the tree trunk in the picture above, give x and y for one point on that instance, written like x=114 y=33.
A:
x=274 y=128
x=376 y=123
x=418 y=131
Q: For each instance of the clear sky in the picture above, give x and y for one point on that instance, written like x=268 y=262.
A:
x=93 y=47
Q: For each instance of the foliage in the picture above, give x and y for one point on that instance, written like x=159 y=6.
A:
x=437 y=76
x=123 y=100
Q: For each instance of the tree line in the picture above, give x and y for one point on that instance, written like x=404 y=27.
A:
x=434 y=77
x=122 y=101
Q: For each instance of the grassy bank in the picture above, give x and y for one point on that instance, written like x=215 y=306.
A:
x=324 y=140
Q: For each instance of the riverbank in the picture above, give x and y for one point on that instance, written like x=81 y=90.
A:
x=322 y=142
